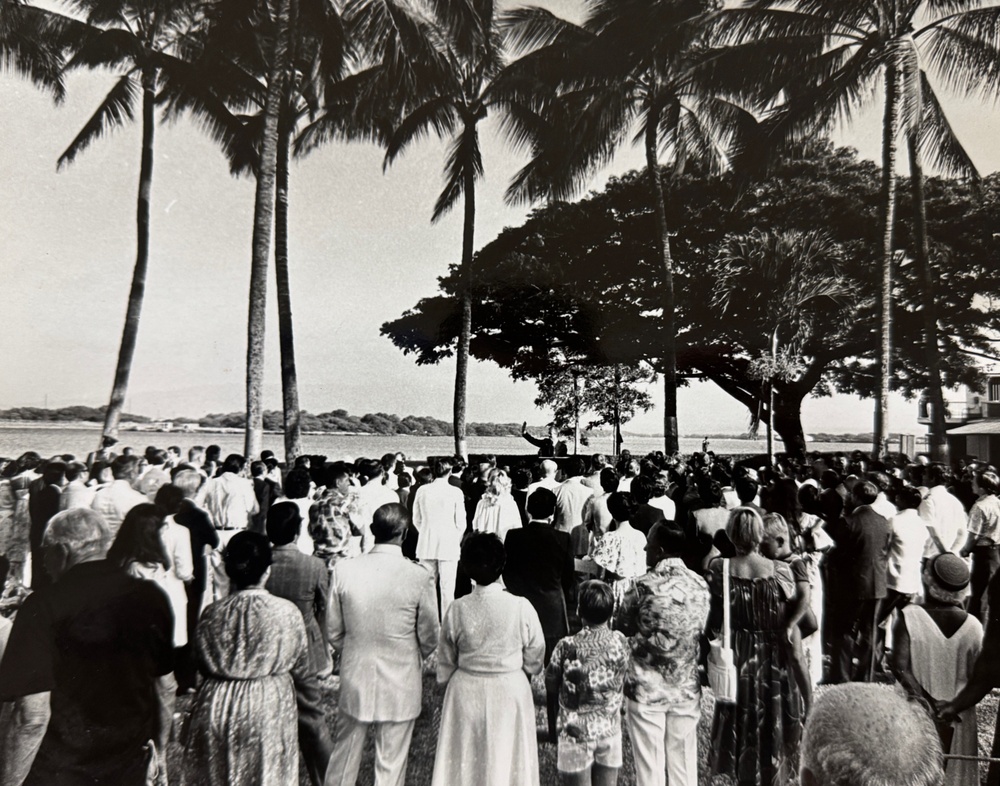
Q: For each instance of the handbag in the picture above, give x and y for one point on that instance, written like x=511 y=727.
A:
x=722 y=677
x=808 y=624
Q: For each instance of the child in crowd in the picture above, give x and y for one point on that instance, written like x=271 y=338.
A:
x=587 y=674
x=802 y=625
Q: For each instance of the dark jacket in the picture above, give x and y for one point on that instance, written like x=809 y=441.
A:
x=540 y=568
x=859 y=561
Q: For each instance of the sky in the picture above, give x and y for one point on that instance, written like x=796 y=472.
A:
x=362 y=250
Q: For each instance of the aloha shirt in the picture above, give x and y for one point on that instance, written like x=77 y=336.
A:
x=664 y=613
x=589 y=669
x=330 y=524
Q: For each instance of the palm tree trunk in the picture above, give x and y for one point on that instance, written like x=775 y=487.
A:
x=890 y=127
x=130 y=332
x=263 y=214
x=289 y=377
x=465 y=331
x=932 y=357
x=668 y=361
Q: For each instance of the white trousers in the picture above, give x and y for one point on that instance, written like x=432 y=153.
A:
x=392 y=749
x=664 y=743
x=444 y=572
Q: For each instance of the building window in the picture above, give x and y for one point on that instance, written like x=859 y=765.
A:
x=994 y=389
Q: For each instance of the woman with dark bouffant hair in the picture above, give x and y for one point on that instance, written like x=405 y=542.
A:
x=139 y=550
x=252 y=648
x=491 y=644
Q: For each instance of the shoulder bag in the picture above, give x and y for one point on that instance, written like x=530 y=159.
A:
x=722 y=677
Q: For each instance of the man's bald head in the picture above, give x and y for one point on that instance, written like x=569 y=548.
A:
x=549 y=468
x=869 y=735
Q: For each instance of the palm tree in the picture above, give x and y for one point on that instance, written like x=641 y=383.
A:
x=247 y=103
x=146 y=42
x=632 y=64
x=442 y=73
x=821 y=59
x=773 y=287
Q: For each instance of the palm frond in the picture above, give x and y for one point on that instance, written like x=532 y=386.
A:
x=114 y=111
x=34 y=43
x=529 y=28
x=964 y=52
x=907 y=63
x=110 y=48
x=438 y=114
x=356 y=111
x=938 y=143
x=463 y=155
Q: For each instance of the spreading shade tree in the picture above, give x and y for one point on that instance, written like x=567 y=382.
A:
x=809 y=63
x=582 y=276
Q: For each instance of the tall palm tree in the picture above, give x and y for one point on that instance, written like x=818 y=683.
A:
x=246 y=91
x=632 y=65
x=773 y=287
x=821 y=59
x=143 y=40
x=315 y=60
x=442 y=72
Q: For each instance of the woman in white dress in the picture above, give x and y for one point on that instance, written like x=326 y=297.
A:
x=491 y=644
x=496 y=511
x=935 y=648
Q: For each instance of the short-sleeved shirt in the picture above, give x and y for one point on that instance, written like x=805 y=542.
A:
x=590 y=668
x=97 y=639
x=984 y=520
x=665 y=615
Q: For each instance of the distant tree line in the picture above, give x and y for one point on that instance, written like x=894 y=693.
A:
x=339 y=420
x=65 y=414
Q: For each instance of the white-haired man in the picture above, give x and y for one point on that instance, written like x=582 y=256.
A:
x=82 y=665
x=869 y=735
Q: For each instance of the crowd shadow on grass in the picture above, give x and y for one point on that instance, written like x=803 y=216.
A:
x=421 y=763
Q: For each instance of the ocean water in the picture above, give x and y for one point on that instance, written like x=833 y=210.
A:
x=49 y=439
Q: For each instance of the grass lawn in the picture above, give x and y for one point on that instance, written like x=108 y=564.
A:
x=421 y=764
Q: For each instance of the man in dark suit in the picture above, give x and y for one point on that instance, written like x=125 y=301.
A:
x=540 y=568
x=305 y=581
x=646 y=516
x=857 y=570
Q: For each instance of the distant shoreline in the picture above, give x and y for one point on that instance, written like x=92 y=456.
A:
x=594 y=436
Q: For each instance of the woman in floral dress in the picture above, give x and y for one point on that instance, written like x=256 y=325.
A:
x=252 y=649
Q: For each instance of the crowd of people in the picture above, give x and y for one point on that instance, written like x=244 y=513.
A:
x=135 y=579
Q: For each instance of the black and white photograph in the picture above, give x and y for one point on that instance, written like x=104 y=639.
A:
x=500 y=392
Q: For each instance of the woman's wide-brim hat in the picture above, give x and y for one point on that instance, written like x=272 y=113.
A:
x=949 y=572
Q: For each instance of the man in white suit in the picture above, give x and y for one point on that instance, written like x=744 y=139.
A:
x=382 y=619
x=439 y=517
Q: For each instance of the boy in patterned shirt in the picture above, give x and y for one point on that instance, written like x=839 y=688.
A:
x=587 y=673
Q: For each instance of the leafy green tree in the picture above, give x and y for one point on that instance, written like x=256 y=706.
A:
x=582 y=276
x=612 y=395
